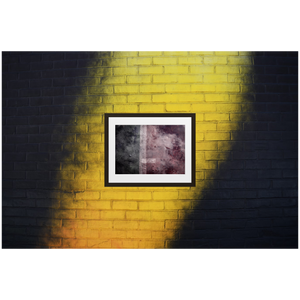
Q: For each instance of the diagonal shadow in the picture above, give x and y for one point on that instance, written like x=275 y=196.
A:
x=41 y=93
x=252 y=202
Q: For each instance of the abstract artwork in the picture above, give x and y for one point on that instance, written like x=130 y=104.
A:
x=149 y=149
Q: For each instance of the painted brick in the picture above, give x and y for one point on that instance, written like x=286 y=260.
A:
x=164 y=61
x=152 y=89
x=203 y=88
x=125 y=108
x=126 y=205
x=139 y=61
x=176 y=69
x=151 y=70
x=139 y=79
x=178 y=107
x=53 y=168
x=139 y=98
x=152 y=108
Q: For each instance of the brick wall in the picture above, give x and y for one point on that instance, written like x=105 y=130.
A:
x=246 y=150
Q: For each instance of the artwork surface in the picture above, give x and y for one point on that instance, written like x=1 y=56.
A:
x=149 y=149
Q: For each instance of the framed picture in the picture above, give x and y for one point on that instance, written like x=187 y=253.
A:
x=150 y=149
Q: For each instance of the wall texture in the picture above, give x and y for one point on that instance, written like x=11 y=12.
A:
x=53 y=109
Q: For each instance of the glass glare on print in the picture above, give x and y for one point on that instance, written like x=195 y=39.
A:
x=150 y=149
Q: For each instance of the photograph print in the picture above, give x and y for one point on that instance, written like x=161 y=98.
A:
x=149 y=149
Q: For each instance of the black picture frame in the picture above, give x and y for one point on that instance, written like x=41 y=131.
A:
x=110 y=152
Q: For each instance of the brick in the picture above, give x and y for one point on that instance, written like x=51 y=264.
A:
x=126 y=89
x=44 y=129
x=270 y=155
x=201 y=69
x=83 y=90
x=229 y=87
x=258 y=184
x=177 y=204
x=139 y=61
x=270 y=194
x=152 y=108
x=14 y=156
x=229 y=126
x=99 y=224
x=19 y=84
x=63 y=138
x=30 y=93
x=252 y=194
x=88 y=214
x=257 y=126
x=269 y=173
x=203 y=88
x=164 y=61
x=176 y=69
x=99 y=243
x=191 y=60
x=125 y=225
x=9 y=93
x=139 y=98
x=167 y=98
x=37 y=157
x=284 y=164
x=98 y=90
x=64 y=175
x=48 y=184
x=216 y=97
x=217 y=136
x=17 y=121
x=114 y=215
x=215 y=60
x=38 y=175
x=290 y=173
x=125 y=108
x=164 y=215
x=86 y=175
x=246 y=79
x=138 y=195
x=16 y=139
x=232 y=184
x=178 y=107
x=126 y=71
x=153 y=88
x=227 y=69
x=138 y=215
x=165 y=195
x=151 y=205
x=178 y=88
x=98 y=204
x=126 y=205
x=138 y=79
x=215 y=78
x=114 y=62
x=50 y=147
x=150 y=70
x=40 y=101
x=75 y=129
x=87 y=233
x=87 y=138
x=246 y=136
x=285 y=183
x=19 y=212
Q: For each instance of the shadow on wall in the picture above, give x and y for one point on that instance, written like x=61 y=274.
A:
x=41 y=94
x=252 y=202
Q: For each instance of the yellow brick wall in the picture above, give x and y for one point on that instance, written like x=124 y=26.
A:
x=210 y=84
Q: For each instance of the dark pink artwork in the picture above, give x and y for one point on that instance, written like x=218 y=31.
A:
x=162 y=149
